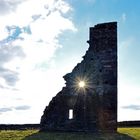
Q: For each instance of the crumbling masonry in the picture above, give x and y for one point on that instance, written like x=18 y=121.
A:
x=92 y=106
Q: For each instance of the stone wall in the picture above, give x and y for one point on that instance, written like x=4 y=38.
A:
x=94 y=105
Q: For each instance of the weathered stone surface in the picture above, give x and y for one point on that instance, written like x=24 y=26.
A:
x=94 y=105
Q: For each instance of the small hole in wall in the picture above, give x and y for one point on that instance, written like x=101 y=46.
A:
x=70 y=114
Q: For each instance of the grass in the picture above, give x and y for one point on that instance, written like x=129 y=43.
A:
x=16 y=134
x=123 y=134
x=132 y=132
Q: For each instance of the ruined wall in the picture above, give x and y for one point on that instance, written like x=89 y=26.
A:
x=94 y=106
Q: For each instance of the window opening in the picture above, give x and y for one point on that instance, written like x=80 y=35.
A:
x=70 y=114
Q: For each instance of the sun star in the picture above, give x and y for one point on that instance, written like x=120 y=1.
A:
x=81 y=84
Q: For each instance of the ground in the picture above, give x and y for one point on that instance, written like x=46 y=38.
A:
x=123 y=134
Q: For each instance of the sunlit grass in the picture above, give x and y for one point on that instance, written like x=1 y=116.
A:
x=123 y=134
x=133 y=132
x=15 y=134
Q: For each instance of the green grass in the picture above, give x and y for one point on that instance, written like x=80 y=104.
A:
x=16 y=134
x=123 y=134
x=132 y=132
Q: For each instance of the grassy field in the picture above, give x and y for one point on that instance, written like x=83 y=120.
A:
x=123 y=134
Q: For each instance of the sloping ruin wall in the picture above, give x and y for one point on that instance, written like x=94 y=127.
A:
x=93 y=107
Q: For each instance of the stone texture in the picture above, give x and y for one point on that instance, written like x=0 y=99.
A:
x=95 y=105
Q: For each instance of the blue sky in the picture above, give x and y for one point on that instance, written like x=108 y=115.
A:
x=42 y=40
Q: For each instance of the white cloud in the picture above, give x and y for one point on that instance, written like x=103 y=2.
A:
x=128 y=94
x=46 y=28
x=33 y=58
x=7 y=6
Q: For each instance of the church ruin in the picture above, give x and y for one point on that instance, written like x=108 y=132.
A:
x=88 y=102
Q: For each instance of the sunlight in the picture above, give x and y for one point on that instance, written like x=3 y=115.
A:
x=81 y=84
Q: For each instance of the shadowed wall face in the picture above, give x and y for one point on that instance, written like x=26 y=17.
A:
x=89 y=100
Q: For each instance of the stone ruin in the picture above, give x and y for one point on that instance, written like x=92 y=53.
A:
x=88 y=102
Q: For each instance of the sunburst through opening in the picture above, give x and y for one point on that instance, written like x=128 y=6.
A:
x=81 y=84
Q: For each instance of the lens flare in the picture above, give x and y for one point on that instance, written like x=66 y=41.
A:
x=81 y=84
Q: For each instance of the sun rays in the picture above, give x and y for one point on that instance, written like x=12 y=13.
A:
x=82 y=84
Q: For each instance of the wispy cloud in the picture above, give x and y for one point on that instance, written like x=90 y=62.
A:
x=5 y=109
x=132 y=107
x=29 y=39
x=34 y=36
x=8 y=52
x=18 y=108
x=7 y=6
x=23 y=107
x=123 y=17
x=9 y=76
